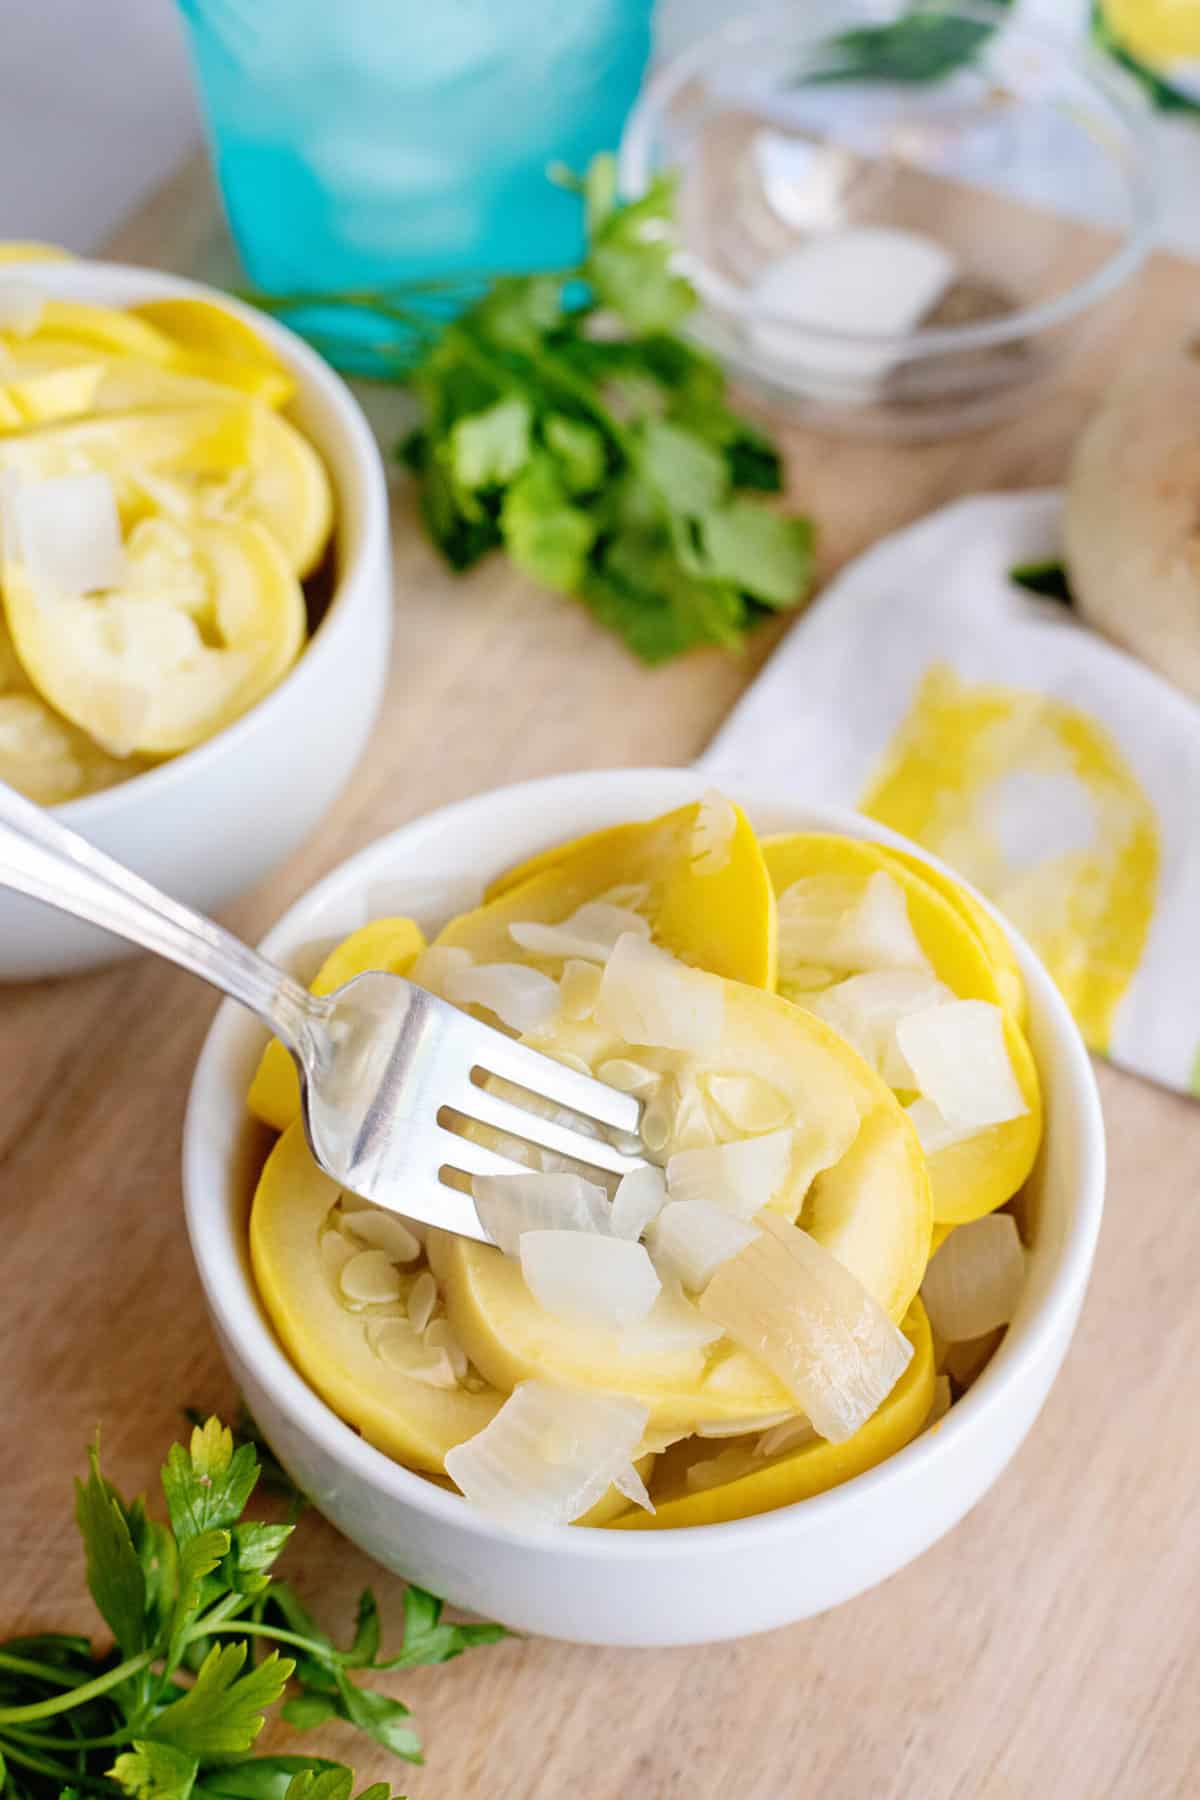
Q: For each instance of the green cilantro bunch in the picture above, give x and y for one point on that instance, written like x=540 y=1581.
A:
x=172 y=1711
x=566 y=422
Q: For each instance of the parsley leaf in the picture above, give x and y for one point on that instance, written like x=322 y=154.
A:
x=196 y=1598
x=545 y=532
x=763 y=553
x=208 y=1484
x=155 y=1771
x=114 y=1569
x=223 y=1711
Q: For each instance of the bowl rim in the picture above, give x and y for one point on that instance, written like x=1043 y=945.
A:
x=240 y=1319
x=90 y=277
x=1113 y=87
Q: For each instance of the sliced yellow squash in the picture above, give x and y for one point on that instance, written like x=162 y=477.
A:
x=982 y=1172
x=871 y=1210
x=990 y=933
x=329 y=1344
x=714 y=910
x=210 y=617
x=219 y=346
x=104 y=328
x=31 y=250
x=389 y=944
x=815 y=1467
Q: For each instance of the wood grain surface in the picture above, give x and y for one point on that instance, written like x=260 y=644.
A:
x=1049 y=1647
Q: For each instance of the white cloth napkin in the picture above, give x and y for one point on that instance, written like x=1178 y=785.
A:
x=1055 y=772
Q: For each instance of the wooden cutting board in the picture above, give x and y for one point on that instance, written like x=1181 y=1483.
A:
x=1048 y=1647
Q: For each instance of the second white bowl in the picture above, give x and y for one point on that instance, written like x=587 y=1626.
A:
x=207 y=825
x=636 y=1588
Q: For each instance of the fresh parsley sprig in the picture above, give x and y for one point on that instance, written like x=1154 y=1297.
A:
x=564 y=421
x=200 y=1625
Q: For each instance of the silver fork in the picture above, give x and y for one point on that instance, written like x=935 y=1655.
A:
x=389 y=1074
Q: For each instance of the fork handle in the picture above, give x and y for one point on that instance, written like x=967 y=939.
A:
x=42 y=858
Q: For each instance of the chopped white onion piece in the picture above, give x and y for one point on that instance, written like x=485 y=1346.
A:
x=370 y=1279
x=387 y=1233
x=647 y=997
x=66 y=533
x=509 y=1205
x=748 y=1103
x=578 y=988
x=715 y=1471
x=690 y=1239
x=740 y=1177
x=521 y=998
x=672 y=1326
x=21 y=308
x=935 y=1132
x=974 y=1279
x=789 y=1434
x=838 y=922
x=865 y=1010
x=712 y=834
x=422 y=1299
x=787 y=1301
x=548 y=1454
x=580 y=1275
x=434 y=966
x=693 y=1127
x=630 y=1483
x=960 y=1061
x=658 y=1116
x=639 y=1199
x=728 y=1428
x=591 y=931
x=628 y=1076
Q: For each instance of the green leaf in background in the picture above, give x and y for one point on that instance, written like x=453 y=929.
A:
x=114 y=1569
x=380 y=1717
x=544 y=532
x=628 y=264
x=1049 y=579
x=198 y=1558
x=689 y=474
x=155 y=1772
x=487 y=449
x=766 y=554
x=263 y=1777
x=579 y=452
x=925 y=45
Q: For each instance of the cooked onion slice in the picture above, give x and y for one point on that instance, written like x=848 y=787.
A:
x=630 y=1483
x=974 y=1281
x=837 y=922
x=578 y=988
x=591 y=932
x=935 y=1132
x=580 y=1275
x=692 y=1238
x=747 y=1102
x=521 y=998
x=436 y=964
x=960 y=1061
x=66 y=533
x=672 y=1324
x=639 y=1199
x=386 y=1232
x=712 y=834
x=741 y=1177
x=509 y=1205
x=865 y=1010
x=787 y=1301
x=789 y=1434
x=647 y=997
x=548 y=1455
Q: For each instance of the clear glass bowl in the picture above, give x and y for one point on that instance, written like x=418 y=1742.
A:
x=884 y=250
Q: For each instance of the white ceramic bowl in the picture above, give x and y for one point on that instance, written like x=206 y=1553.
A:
x=636 y=1588
x=210 y=823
